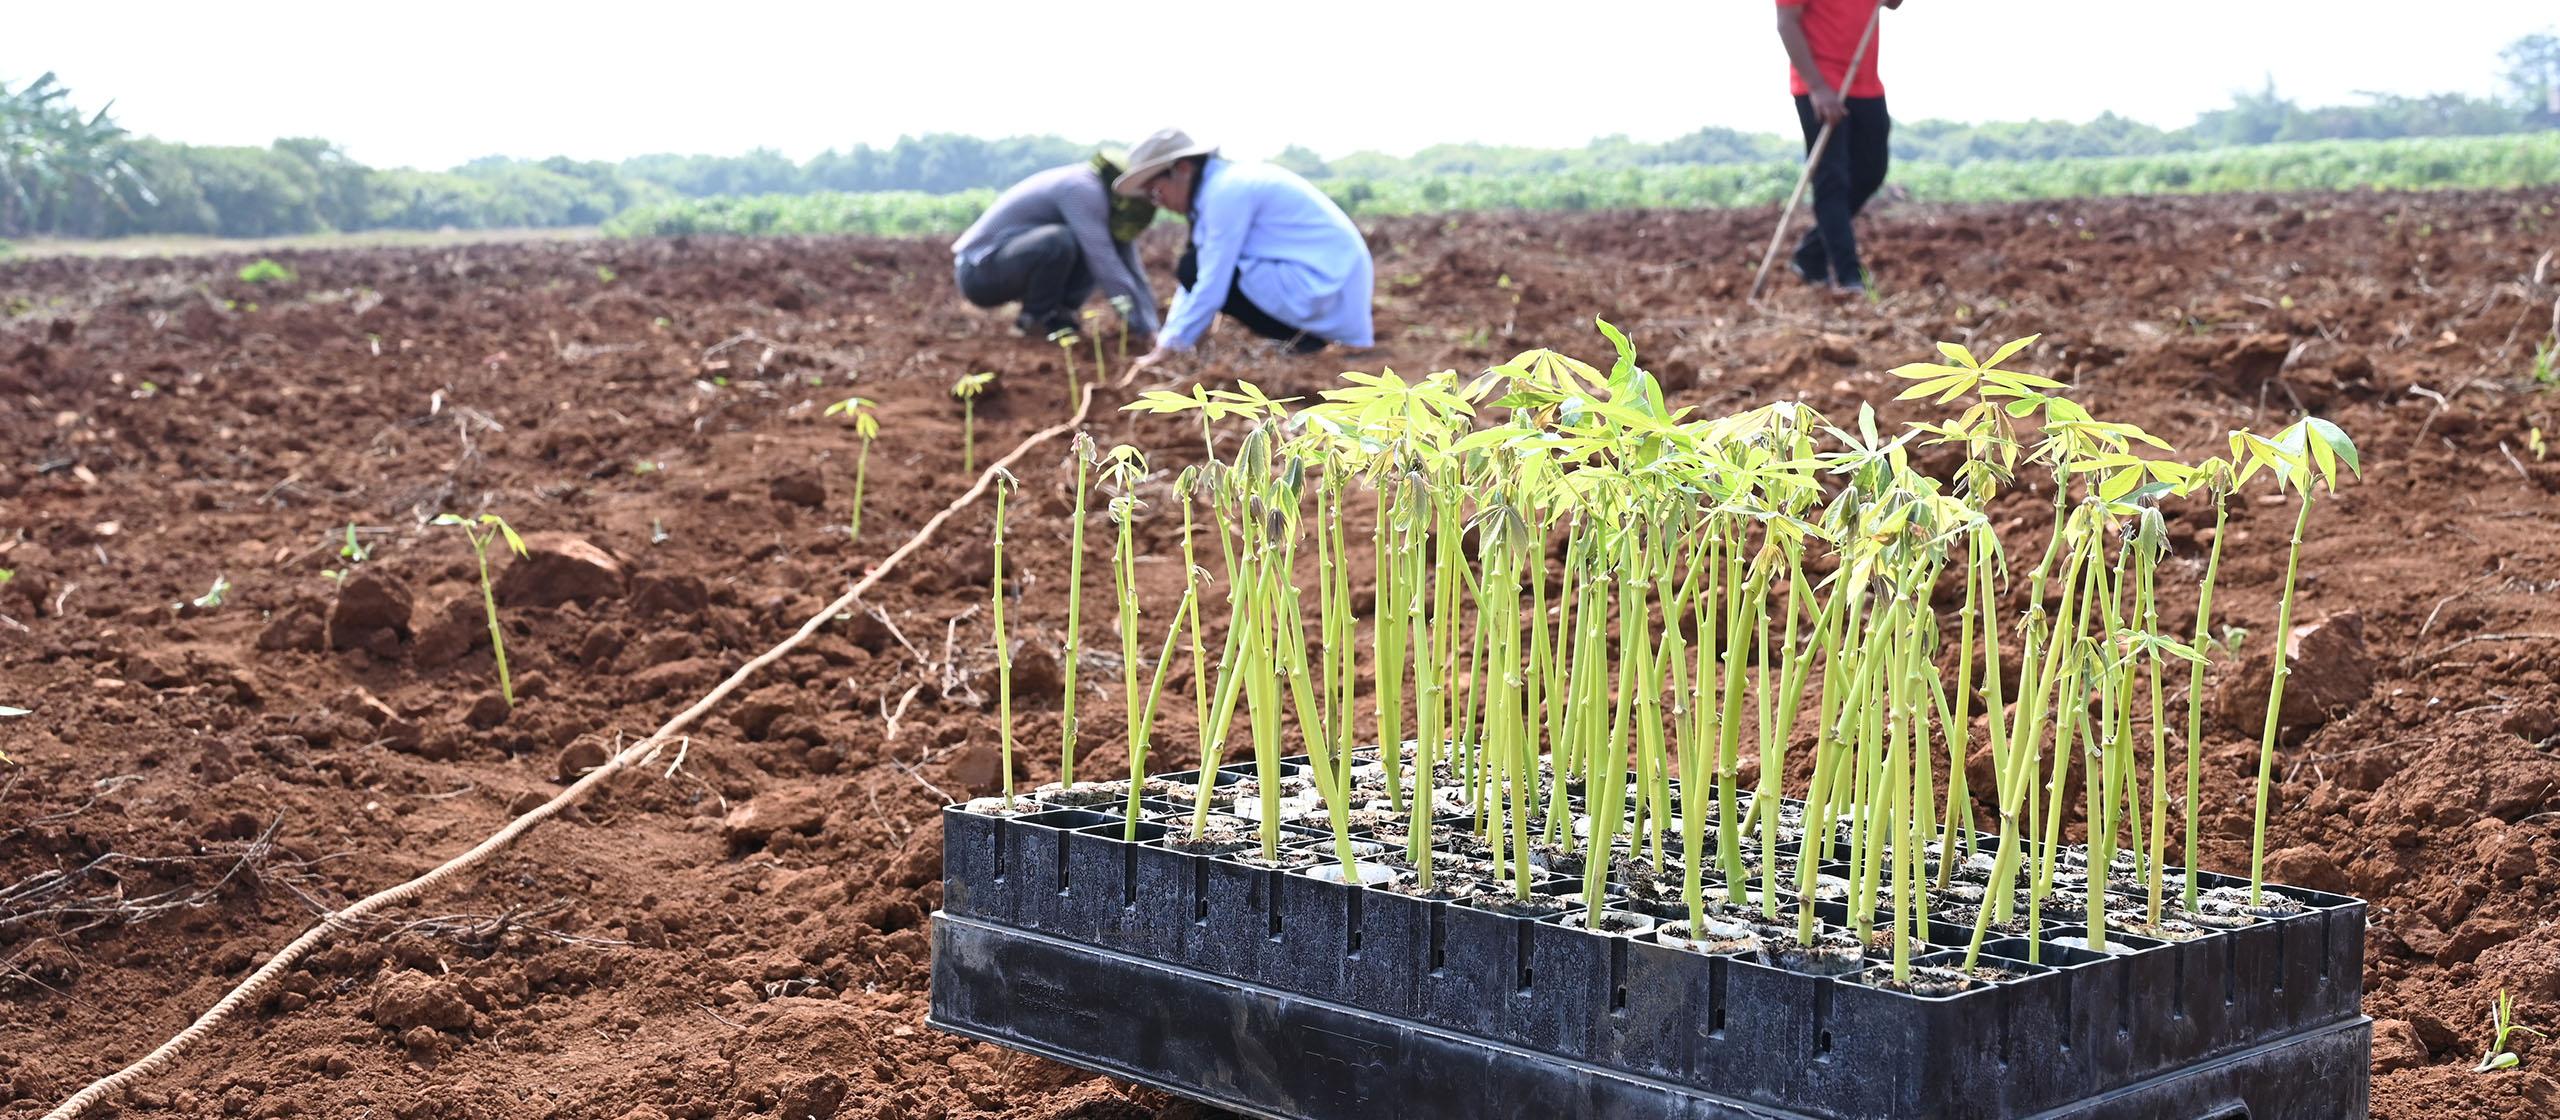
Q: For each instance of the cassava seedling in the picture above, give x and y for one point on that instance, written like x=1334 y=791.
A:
x=480 y=531
x=1124 y=307
x=1093 y=330
x=866 y=426
x=969 y=389
x=1586 y=605
x=1005 y=484
x=1081 y=449
x=2502 y=1023
x=1065 y=337
x=210 y=600
x=2308 y=451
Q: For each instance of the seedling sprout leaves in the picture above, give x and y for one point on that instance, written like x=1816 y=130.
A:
x=210 y=600
x=480 y=531
x=514 y=542
x=865 y=414
x=2502 y=1022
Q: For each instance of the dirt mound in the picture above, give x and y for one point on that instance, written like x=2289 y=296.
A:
x=744 y=934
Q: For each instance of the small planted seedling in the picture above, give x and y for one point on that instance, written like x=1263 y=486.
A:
x=480 y=531
x=968 y=389
x=1082 y=451
x=210 y=600
x=1093 y=330
x=2502 y=1021
x=353 y=552
x=1125 y=307
x=1005 y=484
x=265 y=271
x=2308 y=451
x=866 y=425
x=1065 y=337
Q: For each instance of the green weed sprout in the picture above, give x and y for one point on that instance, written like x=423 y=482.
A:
x=1065 y=337
x=480 y=531
x=2546 y=363
x=2309 y=450
x=968 y=389
x=1005 y=484
x=866 y=425
x=265 y=271
x=2502 y=1021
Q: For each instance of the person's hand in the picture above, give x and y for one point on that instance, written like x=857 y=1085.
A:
x=1142 y=361
x=1828 y=106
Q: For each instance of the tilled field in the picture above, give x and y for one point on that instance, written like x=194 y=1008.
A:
x=740 y=930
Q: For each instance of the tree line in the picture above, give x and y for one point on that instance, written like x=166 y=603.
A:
x=66 y=173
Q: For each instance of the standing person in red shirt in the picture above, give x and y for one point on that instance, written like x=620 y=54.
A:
x=1821 y=36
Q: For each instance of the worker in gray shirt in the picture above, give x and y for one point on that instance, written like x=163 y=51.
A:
x=1049 y=240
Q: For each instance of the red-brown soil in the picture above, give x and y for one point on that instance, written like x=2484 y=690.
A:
x=745 y=934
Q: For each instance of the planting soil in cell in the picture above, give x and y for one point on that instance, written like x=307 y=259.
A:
x=741 y=928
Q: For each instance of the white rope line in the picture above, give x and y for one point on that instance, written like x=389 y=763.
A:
x=258 y=982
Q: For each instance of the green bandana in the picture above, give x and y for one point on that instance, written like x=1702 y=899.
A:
x=1129 y=216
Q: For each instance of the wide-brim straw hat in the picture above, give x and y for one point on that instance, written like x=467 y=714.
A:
x=1154 y=156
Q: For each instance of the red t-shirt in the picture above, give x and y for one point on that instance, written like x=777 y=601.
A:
x=1833 y=28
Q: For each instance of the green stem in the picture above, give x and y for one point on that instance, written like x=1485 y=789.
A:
x=861 y=466
x=1067 y=728
x=2195 y=687
x=1004 y=650
x=497 y=635
x=2275 y=701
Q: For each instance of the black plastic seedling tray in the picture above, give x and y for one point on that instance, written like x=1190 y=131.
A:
x=1276 y=993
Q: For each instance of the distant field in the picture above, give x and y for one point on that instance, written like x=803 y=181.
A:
x=2480 y=162
x=190 y=245
x=2475 y=162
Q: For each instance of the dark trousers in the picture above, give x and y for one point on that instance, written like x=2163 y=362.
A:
x=1041 y=268
x=1243 y=310
x=1852 y=169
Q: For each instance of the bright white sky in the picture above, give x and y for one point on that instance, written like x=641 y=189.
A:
x=435 y=85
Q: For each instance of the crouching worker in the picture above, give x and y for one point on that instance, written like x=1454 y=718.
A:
x=1050 y=240
x=1267 y=248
